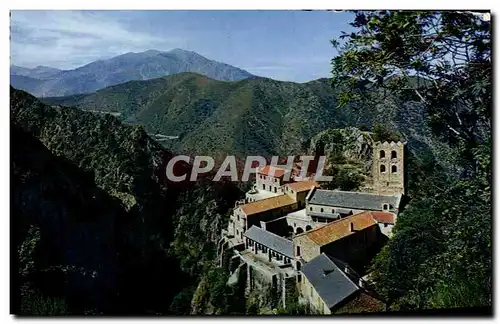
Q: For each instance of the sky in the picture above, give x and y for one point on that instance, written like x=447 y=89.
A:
x=283 y=45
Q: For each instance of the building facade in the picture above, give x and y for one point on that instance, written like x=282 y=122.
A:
x=273 y=248
x=244 y=216
x=329 y=286
x=388 y=168
x=348 y=239
x=324 y=206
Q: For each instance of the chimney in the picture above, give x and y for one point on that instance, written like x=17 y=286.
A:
x=361 y=283
x=351 y=226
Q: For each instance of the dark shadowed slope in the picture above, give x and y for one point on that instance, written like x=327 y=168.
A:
x=94 y=217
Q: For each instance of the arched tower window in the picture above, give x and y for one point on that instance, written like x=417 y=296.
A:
x=382 y=154
x=394 y=155
x=394 y=169
x=382 y=168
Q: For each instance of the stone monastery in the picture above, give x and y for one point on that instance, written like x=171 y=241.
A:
x=294 y=235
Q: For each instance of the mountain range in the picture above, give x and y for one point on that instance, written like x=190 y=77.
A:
x=255 y=116
x=44 y=81
x=204 y=112
x=251 y=116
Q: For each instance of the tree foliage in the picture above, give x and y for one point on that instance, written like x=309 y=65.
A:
x=440 y=254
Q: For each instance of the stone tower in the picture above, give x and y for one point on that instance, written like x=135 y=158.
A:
x=389 y=168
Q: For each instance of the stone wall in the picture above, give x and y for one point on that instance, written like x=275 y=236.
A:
x=308 y=249
x=355 y=248
x=296 y=223
x=389 y=168
x=309 y=295
x=268 y=183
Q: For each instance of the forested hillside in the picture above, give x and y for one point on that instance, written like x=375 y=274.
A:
x=441 y=253
x=256 y=116
x=100 y=230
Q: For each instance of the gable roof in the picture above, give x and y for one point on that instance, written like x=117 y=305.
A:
x=270 y=240
x=278 y=172
x=330 y=282
x=301 y=186
x=354 y=200
x=384 y=218
x=263 y=205
x=339 y=229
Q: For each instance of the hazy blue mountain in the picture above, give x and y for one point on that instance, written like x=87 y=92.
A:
x=130 y=66
x=40 y=72
x=24 y=82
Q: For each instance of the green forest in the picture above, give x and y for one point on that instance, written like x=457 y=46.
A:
x=441 y=253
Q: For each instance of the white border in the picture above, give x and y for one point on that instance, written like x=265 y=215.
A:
x=189 y=4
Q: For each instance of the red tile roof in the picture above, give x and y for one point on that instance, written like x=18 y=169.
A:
x=300 y=186
x=341 y=228
x=263 y=205
x=278 y=172
x=381 y=217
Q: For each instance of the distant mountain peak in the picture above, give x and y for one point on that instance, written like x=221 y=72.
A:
x=46 y=67
x=149 y=64
x=179 y=50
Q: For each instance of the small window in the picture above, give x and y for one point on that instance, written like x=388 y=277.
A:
x=298 y=250
x=394 y=155
x=386 y=206
x=238 y=217
x=333 y=211
x=382 y=154
x=321 y=209
x=394 y=169
x=263 y=187
x=310 y=208
x=382 y=168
